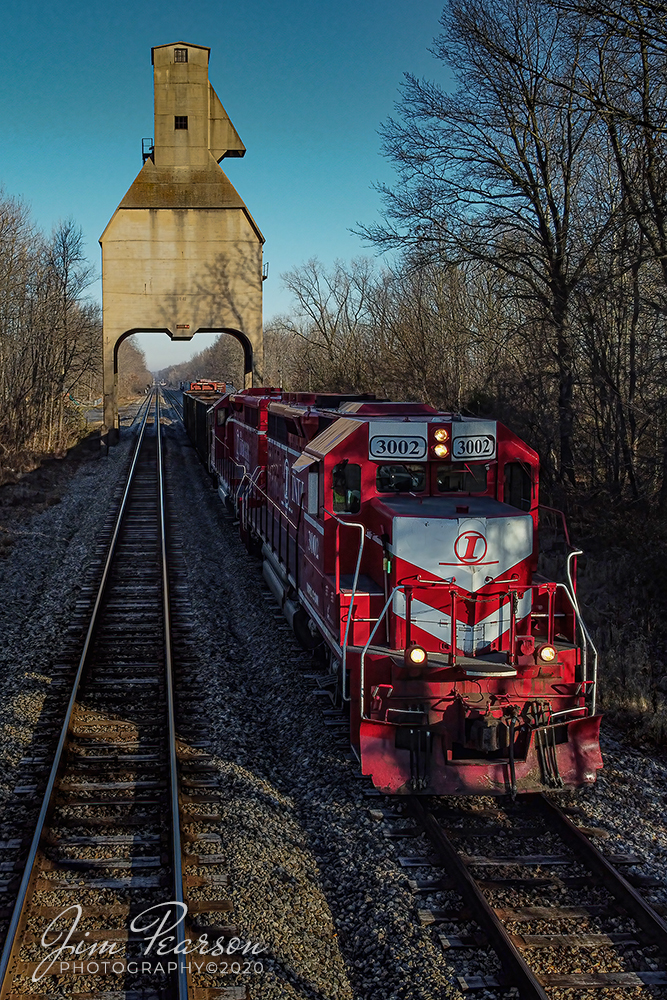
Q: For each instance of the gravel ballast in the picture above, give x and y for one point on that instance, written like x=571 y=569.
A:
x=53 y=518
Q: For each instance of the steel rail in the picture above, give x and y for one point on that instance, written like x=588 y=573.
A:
x=145 y=402
x=528 y=983
x=619 y=887
x=21 y=898
x=176 y=849
x=510 y=958
x=171 y=400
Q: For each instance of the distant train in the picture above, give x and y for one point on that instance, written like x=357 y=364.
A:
x=206 y=385
x=402 y=543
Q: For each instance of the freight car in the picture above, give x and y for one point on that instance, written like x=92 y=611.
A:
x=402 y=542
x=197 y=420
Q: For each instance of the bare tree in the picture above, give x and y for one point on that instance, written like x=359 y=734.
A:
x=622 y=75
x=133 y=375
x=66 y=275
x=50 y=340
x=285 y=355
x=503 y=173
x=331 y=318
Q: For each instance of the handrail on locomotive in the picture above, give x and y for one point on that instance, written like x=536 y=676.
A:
x=406 y=588
x=359 y=507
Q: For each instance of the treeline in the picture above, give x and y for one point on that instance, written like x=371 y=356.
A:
x=133 y=375
x=222 y=360
x=50 y=337
x=454 y=338
x=528 y=226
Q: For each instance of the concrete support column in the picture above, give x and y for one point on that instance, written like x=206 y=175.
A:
x=110 y=388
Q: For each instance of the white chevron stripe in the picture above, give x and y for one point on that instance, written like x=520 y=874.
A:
x=469 y=638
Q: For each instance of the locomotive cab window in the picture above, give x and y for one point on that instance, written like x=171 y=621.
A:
x=400 y=478
x=346 y=482
x=220 y=417
x=313 y=504
x=251 y=416
x=461 y=478
x=518 y=485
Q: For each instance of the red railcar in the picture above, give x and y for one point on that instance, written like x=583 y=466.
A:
x=206 y=385
x=403 y=541
x=238 y=446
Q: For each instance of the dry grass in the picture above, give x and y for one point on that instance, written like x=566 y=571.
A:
x=30 y=483
x=623 y=595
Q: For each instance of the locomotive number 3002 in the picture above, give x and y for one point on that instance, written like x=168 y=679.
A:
x=397 y=447
x=474 y=446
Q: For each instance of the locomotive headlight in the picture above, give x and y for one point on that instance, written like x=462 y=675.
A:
x=441 y=451
x=415 y=656
x=441 y=434
x=547 y=654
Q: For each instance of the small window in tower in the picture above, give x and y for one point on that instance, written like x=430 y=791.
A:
x=180 y=55
x=180 y=121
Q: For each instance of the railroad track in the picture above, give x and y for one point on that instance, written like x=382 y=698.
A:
x=174 y=399
x=557 y=912
x=121 y=828
x=144 y=405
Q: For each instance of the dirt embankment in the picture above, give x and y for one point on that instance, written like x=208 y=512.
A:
x=623 y=593
x=31 y=483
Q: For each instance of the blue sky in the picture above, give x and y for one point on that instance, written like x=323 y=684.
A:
x=306 y=84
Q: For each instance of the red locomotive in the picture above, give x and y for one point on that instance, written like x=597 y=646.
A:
x=403 y=542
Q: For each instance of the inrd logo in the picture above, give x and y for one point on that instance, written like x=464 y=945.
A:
x=470 y=547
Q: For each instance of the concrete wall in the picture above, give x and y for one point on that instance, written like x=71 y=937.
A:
x=181 y=252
